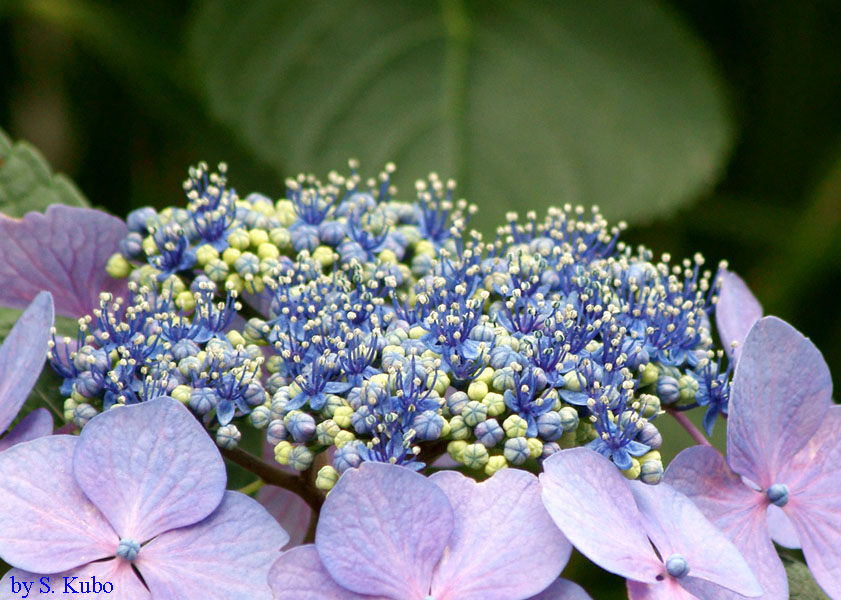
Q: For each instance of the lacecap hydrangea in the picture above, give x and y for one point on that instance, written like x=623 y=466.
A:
x=356 y=326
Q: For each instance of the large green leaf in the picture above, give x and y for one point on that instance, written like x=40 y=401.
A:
x=527 y=104
x=801 y=584
x=28 y=184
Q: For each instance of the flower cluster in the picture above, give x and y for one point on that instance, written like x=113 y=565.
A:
x=341 y=318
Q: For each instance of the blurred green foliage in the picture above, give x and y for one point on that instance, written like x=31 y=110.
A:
x=712 y=126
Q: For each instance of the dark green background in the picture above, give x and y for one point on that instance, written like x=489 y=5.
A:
x=115 y=96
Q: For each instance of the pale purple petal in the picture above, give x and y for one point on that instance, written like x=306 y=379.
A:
x=781 y=528
x=498 y=525
x=814 y=506
x=702 y=474
x=36 y=424
x=383 y=529
x=63 y=251
x=736 y=311
x=668 y=589
x=589 y=499
x=288 y=509
x=563 y=589
x=679 y=527
x=22 y=355
x=225 y=556
x=149 y=468
x=46 y=522
x=780 y=394
x=300 y=575
x=124 y=583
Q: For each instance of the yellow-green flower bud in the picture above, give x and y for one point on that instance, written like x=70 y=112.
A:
x=495 y=403
x=326 y=478
x=118 y=267
x=230 y=256
x=205 y=253
x=486 y=376
x=495 y=463
x=475 y=456
x=186 y=301
x=217 y=270
x=442 y=382
x=634 y=471
x=281 y=452
x=343 y=437
x=238 y=239
x=150 y=248
x=267 y=250
x=456 y=450
x=571 y=382
x=341 y=415
x=323 y=255
x=69 y=409
x=388 y=256
x=535 y=447
x=326 y=431
x=515 y=426
x=650 y=375
x=474 y=413
x=477 y=390
x=458 y=429
x=281 y=238
x=234 y=282
x=417 y=332
x=688 y=388
x=257 y=237
x=182 y=393
x=235 y=338
x=285 y=212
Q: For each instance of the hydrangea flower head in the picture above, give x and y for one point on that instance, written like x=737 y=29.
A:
x=142 y=488
x=652 y=535
x=783 y=452
x=388 y=532
x=21 y=360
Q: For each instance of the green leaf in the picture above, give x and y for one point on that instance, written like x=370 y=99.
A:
x=801 y=584
x=28 y=184
x=528 y=104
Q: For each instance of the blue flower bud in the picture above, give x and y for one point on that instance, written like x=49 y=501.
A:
x=254 y=394
x=88 y=384
x=332 y=233
x=83 y=413
x=362 y=420
x=651 y=472
x=650 y=436
x=128 y=549
x=569 y=419
x=778 y=494
x=276 y=432
x=203 y=400
x=549 y=449
x=428 y=425
x=503 y=379
x=550 y=427
x=474 y=413
x=301 y=425
x=516 y=450
x=138 y=219
x=228 y=436
x=275 y=381
x=260 y=417
x=300 y=458
x=131 y=246
x=676 y=566
x=489 y=433
x=668 y=390
x=347 y=457
x=456 y=402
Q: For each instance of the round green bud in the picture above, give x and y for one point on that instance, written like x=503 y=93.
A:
x=477 y=390
x=267 y=250
x=341 y=415
x=69 y=409
x=475 y=456
x=445 y=430
x=217 y=270
x=426 y=247
x=388 y=256
x=515 y=426
x=205 y=253
x=293 y=389
x=569 y=419
x=474 y=413
x=281 y=238
x=326 y=431
x=634 y=471
x=585 y=433
x=688 y=388
x=503 y=379
x=285 y=212
x=185 y=300
x=495 y=463
x=571 y=382
x=651 y=404
x=442 y=382
x=118 y=267
x=182 y=393
x=331 y=404
x=650 y=375
x=326 y=478
x=486 y=376
x=459 y=429
x=247 y=264
x=238 y=239
x=300 y=458
x=417 y=332
x=281 y=452
x=535 y=447
x=260 y=417
x=343 y=437
x=456 y=450
x=495 y=403
x=323 y=255
x=257 y=237
x=236 y=338
x=651 y=472
x=231 y=255
x=568 y=440
x=273 y=363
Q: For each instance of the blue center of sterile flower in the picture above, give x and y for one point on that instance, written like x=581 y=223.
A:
x=128 y=549
x=676 y=566
x=778 y=494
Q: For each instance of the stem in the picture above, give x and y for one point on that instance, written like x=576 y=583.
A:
x=272 y=476
x=689 y=427
x=252 y=487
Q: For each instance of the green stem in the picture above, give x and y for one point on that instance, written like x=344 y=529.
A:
x=252 y=488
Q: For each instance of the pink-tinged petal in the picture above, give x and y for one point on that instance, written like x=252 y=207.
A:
x=36 y=424
x=563 y=589
x=499 y=524
x=702 y=474
x=97 y=580
x=814 y=505
x=736 y=312
x=590 y=501
x=289 y=510
x=679 y=527
x=668 y=589
x=63 y=251
x=149 y=468
x=382 y=530
x=300 y=575
x=781 y=528
x=22 y=355
x=46 y=522
x=227 y=556
x=780 y=393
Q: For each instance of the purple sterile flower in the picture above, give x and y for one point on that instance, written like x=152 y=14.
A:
x=783 y=452
x=63 y=251
x=735 y=312
x=21 y=360
x=142 y=489
x=652 y=535
x=388 y=532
